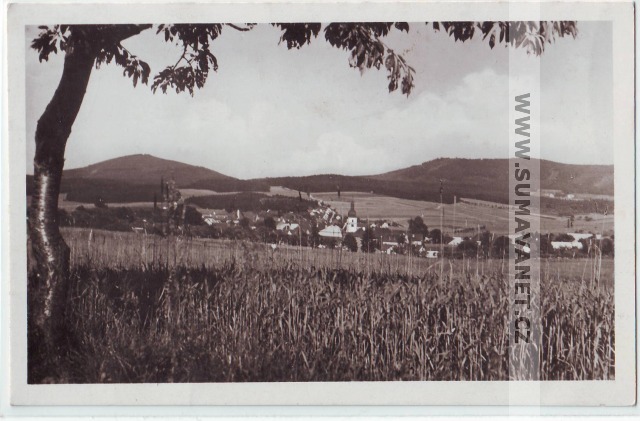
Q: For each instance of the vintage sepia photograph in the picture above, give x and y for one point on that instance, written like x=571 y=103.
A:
x=242 y=201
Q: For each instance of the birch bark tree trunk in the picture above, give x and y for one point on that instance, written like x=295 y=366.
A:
x=51 y=256
x=50 y=252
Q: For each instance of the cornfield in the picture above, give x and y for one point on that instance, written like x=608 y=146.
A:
x=164 y=310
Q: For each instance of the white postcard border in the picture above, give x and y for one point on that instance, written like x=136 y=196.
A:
x=622 y=391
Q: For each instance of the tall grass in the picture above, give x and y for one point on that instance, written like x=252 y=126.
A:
x=100 y=248
x=246 y=315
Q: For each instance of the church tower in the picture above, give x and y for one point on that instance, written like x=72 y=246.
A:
x=352 y=219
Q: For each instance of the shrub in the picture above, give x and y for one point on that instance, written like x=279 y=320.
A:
x=350 y=242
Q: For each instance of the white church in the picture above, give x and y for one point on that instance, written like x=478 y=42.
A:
x=351 y=226
x=352 y=220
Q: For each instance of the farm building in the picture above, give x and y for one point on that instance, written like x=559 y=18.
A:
x=414 y=239
x=455 y=242
x=210 y=219
x=389 y=247
x=328 y=215
x=580 y=236
x=331 y=231
x=559 y=245
x=286 y=226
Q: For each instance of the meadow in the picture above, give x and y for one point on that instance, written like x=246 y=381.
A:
x=151 y=309
x=493 y=217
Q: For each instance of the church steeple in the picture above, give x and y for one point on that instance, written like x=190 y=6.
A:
x=352 y=211
x=352 y=219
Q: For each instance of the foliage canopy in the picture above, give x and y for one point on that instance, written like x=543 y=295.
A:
x=364 y=42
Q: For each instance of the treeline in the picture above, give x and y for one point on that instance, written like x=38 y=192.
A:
x=564 y=207
x=412 y=190
x=86 y=190
x=112 y=191
x=150 y=221
x=90 y=191
x=500 y=246
x=253 y=202
x=122 y=218
x=232 y=185
x=497 y=191
x=111 y=219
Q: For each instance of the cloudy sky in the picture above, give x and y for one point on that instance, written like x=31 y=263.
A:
x=269 y=111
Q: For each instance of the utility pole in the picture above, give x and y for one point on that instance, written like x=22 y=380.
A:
x=441 y=228
x=442 y=214
x=454 y=214
x=300 y=235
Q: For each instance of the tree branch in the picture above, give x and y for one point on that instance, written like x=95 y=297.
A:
x=237 y=28
x=113 y=34
x=183 y=56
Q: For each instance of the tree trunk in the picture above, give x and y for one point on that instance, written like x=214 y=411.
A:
x=50 y=252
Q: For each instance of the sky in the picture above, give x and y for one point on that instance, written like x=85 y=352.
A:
x=269 y=111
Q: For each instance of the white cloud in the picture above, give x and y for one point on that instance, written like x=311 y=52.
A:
x=270 y=111
x=466 y=121
x=335 y=152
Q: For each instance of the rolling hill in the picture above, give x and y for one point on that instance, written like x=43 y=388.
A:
x=591 y=179
x=144 y=169
x=488 y=179
x=484 y=179
x=136 y=178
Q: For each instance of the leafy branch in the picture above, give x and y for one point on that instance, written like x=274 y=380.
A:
x=530 y=35
x=197 y=59
x=134 y=68
x=104 y=41
x=49 y=40
x=367 y=50
x=362 y=40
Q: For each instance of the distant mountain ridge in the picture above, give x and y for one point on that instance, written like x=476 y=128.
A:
x=144 y=169
x=571 y=178
x=483 y=179
x=136 y=178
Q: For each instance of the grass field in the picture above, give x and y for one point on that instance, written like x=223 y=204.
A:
x=147 y=309
x=99 y=248
x=461 y=215
x=372 y=206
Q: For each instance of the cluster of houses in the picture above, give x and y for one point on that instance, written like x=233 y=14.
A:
x=332 y=228
x=229 y=218
x=330 y=224
x=252 y=220
x=576 y=244
x=388 y=236
x=338 y=228
x=289 y=224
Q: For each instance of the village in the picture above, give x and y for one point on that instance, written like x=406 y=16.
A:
x=291 y=220
x=322 y=226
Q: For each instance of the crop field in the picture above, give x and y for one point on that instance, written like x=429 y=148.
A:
x=493 y=217
x=461 y=215
x=150 y=309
